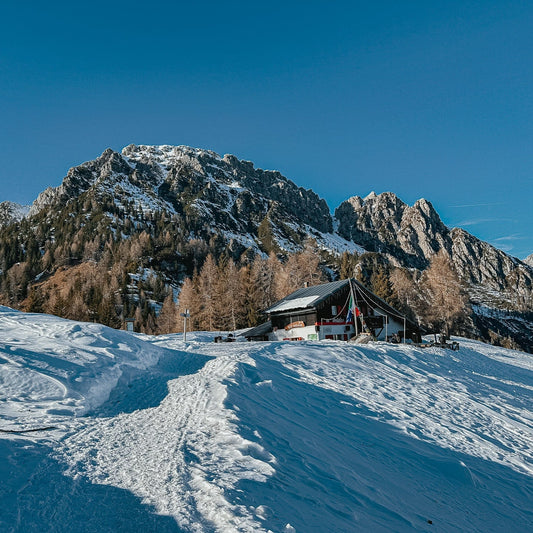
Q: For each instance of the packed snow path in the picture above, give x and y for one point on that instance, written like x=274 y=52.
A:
x=150 y=434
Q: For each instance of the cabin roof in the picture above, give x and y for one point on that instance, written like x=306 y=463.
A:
x=258 y=331
x=307 y=297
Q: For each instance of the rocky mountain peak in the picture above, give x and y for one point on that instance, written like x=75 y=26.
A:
x=384 y=223
x=213 y=193
x=426 y=207
x=79 y=179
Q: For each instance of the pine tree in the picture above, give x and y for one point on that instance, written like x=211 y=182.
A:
x=266 y=236
x=251 y=299
x=380 y=284
x=207 y=293
x=265 y=273
x=35 y=301
x=167 y=320
x=448 y=303
x=308 y=262
x=59 y=306
x=107 y=312
x=189 y=301
x=230 y=298
x=302 y=268
x=139 y=320
x=347 y=265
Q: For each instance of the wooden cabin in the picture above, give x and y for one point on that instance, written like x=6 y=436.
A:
x=338 y=310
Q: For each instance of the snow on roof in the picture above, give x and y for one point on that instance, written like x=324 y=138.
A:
x=307 y=296
x=296 y=303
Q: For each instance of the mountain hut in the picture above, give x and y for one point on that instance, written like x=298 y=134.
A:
x=338 y=310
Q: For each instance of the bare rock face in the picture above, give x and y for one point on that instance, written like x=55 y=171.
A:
x=412 y=235
x=529 y=260
x=383 y=223
x=79 y=180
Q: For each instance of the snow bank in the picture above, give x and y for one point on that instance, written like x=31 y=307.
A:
x=53 y=369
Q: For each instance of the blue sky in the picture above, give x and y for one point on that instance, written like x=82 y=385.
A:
x=428 y=99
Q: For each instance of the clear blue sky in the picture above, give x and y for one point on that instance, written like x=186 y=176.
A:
x=428 y=99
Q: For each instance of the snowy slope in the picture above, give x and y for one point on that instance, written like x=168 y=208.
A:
x=306 y=437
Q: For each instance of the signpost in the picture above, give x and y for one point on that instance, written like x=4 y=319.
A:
x=185 y=316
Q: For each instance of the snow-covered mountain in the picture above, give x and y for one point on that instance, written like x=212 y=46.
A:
x=214 y=194
x=102 y=430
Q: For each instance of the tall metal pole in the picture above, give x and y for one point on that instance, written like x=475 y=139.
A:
x=355 y=308
x=404 y=330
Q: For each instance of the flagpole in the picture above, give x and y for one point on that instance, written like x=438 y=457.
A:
x=355 y=310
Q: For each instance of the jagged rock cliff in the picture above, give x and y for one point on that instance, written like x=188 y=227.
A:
x=411 y=235
x=383 y=223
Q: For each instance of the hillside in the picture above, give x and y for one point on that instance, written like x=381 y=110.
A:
x=102 y=430
x=129 y=226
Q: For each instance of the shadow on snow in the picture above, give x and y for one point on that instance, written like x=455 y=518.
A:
x=341 y=468
x=142 y=389
x=36 y=496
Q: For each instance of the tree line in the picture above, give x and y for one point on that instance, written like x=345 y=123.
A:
x=225 y=296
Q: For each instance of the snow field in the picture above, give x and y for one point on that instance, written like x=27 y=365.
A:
x=52 y=370
x=152 y=434
x=433 y=394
